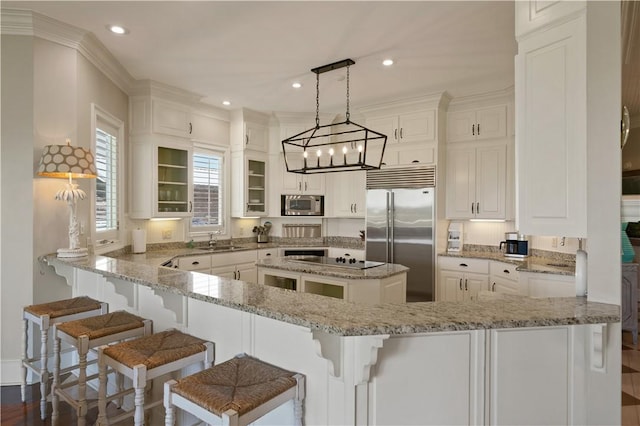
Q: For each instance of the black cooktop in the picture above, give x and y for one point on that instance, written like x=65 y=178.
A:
x=343 y=262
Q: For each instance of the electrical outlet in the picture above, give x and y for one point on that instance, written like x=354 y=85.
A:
x=562 y=241
x=241 y=231
x=166 y=234
x=554 y=242
x=82 y=227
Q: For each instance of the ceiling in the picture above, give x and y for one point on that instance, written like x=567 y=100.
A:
x=251 y=52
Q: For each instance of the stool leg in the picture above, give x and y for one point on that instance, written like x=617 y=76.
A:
x=169 y=417
x=83 y=348
x=298 y=407
x=55 y=401
x=44 y=373
x=139 y=383
x=119 y=387
x=25 y=338
x=102 y=390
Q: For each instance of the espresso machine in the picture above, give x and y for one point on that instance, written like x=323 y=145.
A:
x=515 y=245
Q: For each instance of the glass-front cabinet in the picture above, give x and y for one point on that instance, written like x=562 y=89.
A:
x=249 y=181
x=160 y=178
x=173 y=180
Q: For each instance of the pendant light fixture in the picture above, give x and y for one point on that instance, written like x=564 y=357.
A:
x=335 y=147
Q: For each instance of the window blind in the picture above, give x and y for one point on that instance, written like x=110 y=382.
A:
x=106 y=158
x=207 y=190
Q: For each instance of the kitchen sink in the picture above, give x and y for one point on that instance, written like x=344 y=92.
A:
x=217 y=248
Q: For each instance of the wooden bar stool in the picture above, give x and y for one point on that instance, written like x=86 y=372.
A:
x=145 y=359
x=236 y=392
x=86 y=334
x=44 y=316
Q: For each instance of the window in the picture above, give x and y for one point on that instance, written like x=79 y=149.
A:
x=208 y=191
x=108 y=134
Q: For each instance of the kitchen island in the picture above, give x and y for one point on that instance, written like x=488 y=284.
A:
x=501 y=360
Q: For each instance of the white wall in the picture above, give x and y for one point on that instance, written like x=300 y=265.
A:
x=17 y=207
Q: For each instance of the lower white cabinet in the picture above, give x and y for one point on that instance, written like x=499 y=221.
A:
x=548 y=285
x=461 y=279
x=504 y=278
x=195 y=263
x=239 y=265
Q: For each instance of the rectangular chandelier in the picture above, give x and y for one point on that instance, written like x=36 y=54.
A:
x=335 y=147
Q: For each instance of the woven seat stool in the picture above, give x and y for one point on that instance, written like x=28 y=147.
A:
x=145 y=359
x=45 y=315
x=86 y=334
x=236 y=392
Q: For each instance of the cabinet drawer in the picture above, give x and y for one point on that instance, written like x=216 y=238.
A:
x=506 y=271
x=193 y=263
x=424 y=155
x=463 y=264
x=267 y=253
x=223 y=259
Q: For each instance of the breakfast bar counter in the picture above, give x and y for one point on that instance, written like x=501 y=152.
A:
x=362 y=362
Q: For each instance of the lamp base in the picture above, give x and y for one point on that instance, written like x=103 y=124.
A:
x=69 y=252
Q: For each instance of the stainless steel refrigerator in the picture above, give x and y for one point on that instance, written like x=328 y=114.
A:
x=400 y=230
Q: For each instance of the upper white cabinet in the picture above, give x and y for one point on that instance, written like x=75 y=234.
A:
x=483 y=123
x=249 y=130
x=419 y=126
x=161 y=178
x=551 y=140
x=476 y=182
x=348 y=194
x=535 y=15
x=297 y=183
x=159 y=116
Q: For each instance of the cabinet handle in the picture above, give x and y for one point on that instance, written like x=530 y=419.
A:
x=190 y=128
x=190 y=206
x=305 y=185
x=246 y=137
x=400 y=132
x=355 y=208
x=238 y=274
x=477 y=208
x=464 y=265
x=473 y=129
x=268 y=254
x=195 y=263
x=493 y=287
x=478 y=129
x=466 y=286
x=472 y=205
x=415 y=161
x=351 y=208
x=506 y=271
x=460 y=284
x=299 y=186
x=395 y=134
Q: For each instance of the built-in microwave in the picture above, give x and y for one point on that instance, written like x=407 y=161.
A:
x=302 y=205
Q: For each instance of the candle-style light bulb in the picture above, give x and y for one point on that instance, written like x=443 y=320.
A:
x=318 y=153
x=331 y=151
x=344 y=153
x=359 y=153
x=305 y=154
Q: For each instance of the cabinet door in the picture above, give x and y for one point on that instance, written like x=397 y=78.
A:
x=491 y=122
x=255 y=136
x=170 y=119
x=172 y=189
x=290 y=183
x=227 y=271
x=423 y=155
x=387 y=126
x=313 y=184
x=460 y=125
x=450 y=285
x=491 y=182
x=195 y=263
x=460 y=187
x=549 y=285
x=551 y=151
x=417 y=127
x=474 y=284
x=347 y=195
x=208 y=129
x=501 y=285
x=247 y=272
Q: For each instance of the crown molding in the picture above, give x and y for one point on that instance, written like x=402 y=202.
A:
x=155 y=88
x=28 y=23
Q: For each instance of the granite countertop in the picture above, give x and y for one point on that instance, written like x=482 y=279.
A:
x=549 y=263
x=338 y=317
x=378 y=272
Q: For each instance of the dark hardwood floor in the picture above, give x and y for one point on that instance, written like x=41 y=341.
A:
x=13 y=412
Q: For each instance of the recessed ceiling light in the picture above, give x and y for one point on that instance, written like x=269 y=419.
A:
x=296 y=85
x=226 y=103
x=117 y=29
x=387 y=62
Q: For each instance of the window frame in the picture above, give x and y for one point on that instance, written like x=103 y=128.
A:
x=115 y=238
x=222 y=230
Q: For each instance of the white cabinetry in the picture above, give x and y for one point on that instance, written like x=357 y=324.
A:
x=503 y=278
x=296 y=183
x=551 y=152
x=195 y=263
x=249 y=130
x=548 y=285
x=476 y=182
x=347 y=195
x=483 y=123
x=161 y=179
x=419 y=126
x=248 y=183
x=235 y=266
x=461 y=278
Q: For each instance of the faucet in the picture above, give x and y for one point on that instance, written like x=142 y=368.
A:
x=212 y=241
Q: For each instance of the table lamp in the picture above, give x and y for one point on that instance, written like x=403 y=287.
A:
x=66 y=161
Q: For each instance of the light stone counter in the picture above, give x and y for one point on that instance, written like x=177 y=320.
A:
x=342 y=318
x=546 y=264
x=374 y=273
